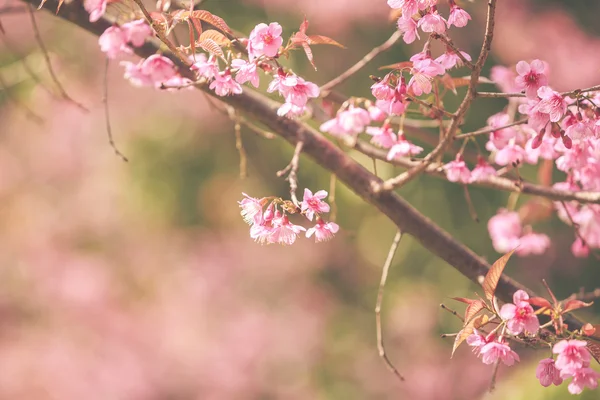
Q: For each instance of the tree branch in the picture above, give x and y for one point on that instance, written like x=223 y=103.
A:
x=333 y=159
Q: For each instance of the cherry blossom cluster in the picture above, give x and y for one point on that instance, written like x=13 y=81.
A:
x=423 y=15
x=519 y=322
x=269 y=222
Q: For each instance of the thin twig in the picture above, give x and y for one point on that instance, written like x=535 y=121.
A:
x=585 y=296
x=239 y=145
x=490 y=130
x=38 y=38
x=326 y=88
x=292 y=168
x=384 y=274
x=107 y=115
x=494 y=374
x=470 y=205
x=495 y=95
x=451 y=311
x=437 y=109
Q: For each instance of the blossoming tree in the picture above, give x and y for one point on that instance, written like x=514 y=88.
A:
x=539 y=126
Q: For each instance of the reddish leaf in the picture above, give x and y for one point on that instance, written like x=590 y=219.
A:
x=594 y=349
x=571 y=305
x=319 y=39
x=215 y=36
x=540 y=302
x=463 y=300
x=400 y=65
x=467 y=331
x=192 y=38
x=309 y=54
x=473 y=309
x=201 y=15
x=210 y=46
x=493 y=276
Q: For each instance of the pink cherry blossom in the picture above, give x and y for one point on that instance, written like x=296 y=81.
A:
x=284 y=232
x=423 y=72
x=582 y=378
x=408 y=26
x=572 y=355
x=96 y=8
x=403 y=148
x=482 y=171
x=224 y=85
x=432 y=22
x=293 y=88
x=135 y=75
x=504 y=78
x=458 y=17
x=505 y=229
x=408 y=7
x=246 y=72
x=477 y=341
x=580 y=129
x=457 y=170
x=510 y=154
x=113 y=42
x=533 y=243
x=520 y=316
x=137 y=32
x=206 y=67
x=376 y=113
x=265 y=40
x=382 y=136
x=252 y=209
x=551 y=103
x=314 y=204
x=382 y=91
x=450 y=59
x=158 y=68
x=531 y=77
x=547 y=373
x=495 y=351
x=499 y=138
x=323 y=231
x=580 y=249
x=290 y=110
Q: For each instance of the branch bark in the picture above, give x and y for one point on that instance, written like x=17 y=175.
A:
x=331 y=158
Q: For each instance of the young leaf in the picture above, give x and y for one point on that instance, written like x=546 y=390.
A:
x=400 y=65
x=463 y=300
x=594 y=349
x=206 y=16
x=571 y=305
x=473 y=309
x=493 y=276
x=319 y=39
x=210 y=46
x=540 y=302
x=215 y=36
x=467 y=331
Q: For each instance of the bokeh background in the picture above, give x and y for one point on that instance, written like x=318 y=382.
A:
x=139 y=281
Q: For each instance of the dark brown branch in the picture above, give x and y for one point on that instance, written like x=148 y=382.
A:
x=333 y=159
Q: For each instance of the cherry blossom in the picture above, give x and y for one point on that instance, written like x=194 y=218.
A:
x=531 y=77
x=482 y=171
x=252 y=209
x=582 y=378
x=137 y=32
x=432 y=22
x=457 y=170
x=551 y=103
x=293 y=88
x=382 y=136
x=283 y=231
x=403 y=148
x=547 y=373
x=246 y=72
x=96 y=8
x=323 y=231
x=458 y=17
x=314 y=204
x=206 y=67
x=572 y=355
x=264 y=40
x=408 y=26
x=494 y=351
x=224 y=85
x=450 y=59
x=113 y=42
x=520 y=316
x=382 y=90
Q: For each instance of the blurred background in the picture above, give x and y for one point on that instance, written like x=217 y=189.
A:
x=139 y=281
